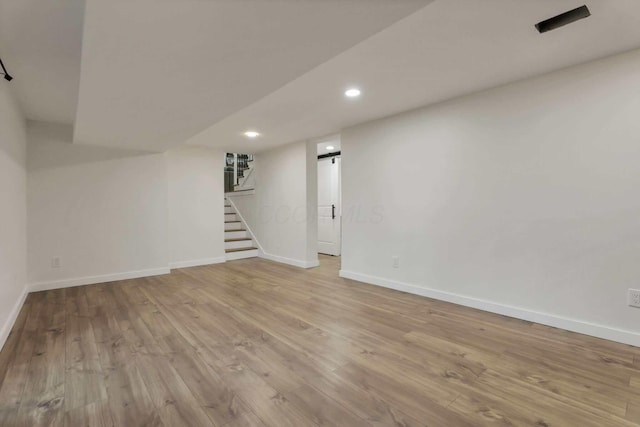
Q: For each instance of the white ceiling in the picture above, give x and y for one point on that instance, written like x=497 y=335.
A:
x=155 y=73
x=152 y=74
x=450 y=48
x=40 y=43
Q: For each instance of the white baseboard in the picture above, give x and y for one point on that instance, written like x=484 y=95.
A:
x=573 y=325
x=92 y=280
x=197 y=262
x=290 y=261
x=11 y=320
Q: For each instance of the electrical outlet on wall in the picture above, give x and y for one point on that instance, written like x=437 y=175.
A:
x=55 y=262
x=634 y=298
x=395 y=260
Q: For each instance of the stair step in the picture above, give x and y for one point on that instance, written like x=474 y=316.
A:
x=236 y=229
x=244 y=242
x=249 y=248
x=231 y=222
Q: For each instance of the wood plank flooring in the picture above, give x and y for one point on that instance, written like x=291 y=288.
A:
x=256 y=343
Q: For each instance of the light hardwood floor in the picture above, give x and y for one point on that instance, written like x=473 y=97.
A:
x=255 y=343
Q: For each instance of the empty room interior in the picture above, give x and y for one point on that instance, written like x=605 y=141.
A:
x=274 y=213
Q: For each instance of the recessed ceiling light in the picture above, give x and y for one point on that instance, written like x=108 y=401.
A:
x=251 y=134
x=330 y=147
x=352 y=93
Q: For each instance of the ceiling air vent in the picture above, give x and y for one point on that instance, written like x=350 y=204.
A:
x=563 y=19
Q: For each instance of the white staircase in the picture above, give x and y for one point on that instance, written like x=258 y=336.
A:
x=238 y=243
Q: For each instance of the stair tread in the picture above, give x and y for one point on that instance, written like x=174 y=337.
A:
x=239 y=239
x=231 y=222
x=250 y=248
x=236 y=229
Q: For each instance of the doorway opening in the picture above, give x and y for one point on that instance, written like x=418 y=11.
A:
x=329 y=197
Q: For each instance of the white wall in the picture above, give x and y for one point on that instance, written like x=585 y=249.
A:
x=521 y=200
x=278 y=213
x=13 y=213
x=196 y=206
x=102 y=211
x=312 y=202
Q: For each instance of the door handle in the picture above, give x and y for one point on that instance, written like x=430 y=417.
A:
x=333 y=211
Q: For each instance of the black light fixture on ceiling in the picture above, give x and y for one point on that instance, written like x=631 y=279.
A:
x=563 y=19
x=7 y=77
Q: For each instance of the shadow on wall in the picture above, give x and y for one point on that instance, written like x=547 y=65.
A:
x=12 y=124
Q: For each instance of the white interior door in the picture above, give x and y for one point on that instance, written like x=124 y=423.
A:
x=329 y=206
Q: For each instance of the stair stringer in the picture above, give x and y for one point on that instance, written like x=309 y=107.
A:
x=246 y=226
